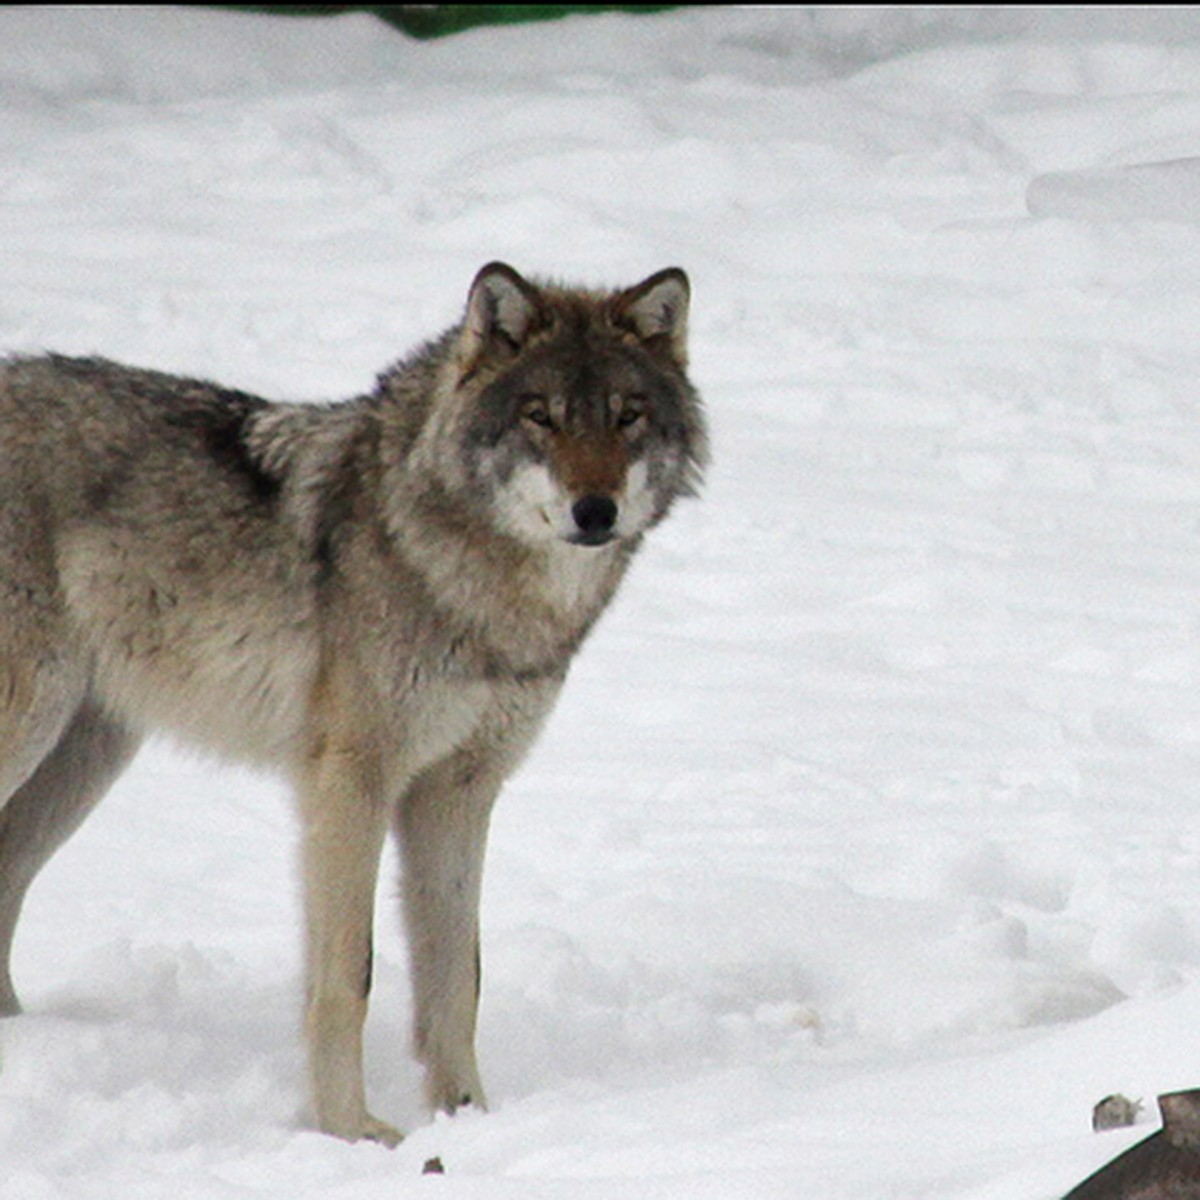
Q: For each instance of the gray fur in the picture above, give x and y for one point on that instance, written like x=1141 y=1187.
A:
x=381 y=598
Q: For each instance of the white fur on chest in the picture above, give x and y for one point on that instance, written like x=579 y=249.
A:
x=440 y=717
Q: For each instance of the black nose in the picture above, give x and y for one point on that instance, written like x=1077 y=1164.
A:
x=595 y=517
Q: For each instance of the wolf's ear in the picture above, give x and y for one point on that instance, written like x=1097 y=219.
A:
x=656 y=311
x=503 y=309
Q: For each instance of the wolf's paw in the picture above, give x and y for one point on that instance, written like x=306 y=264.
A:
x=10 y=1006
x=449 y=1094
x=381 y=1132
x=365 y=1129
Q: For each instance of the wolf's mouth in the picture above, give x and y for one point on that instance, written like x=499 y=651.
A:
x=594 y=537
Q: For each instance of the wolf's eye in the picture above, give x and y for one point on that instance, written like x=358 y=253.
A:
x=632 y=411
x=536 y=411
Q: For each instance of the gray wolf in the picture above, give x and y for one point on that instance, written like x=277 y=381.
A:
x=380 y=597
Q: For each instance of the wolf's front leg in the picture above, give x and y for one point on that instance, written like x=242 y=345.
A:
x=344 y=827
x=441 y=825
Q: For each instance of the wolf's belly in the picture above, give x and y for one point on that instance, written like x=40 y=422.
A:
x=223 y=655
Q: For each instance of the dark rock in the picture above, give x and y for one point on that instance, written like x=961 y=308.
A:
x=1166 y=1166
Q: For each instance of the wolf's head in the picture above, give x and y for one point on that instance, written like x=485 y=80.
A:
x=573 y=418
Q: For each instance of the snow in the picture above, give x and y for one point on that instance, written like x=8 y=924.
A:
x=861 y=858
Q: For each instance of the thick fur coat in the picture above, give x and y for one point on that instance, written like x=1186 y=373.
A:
x=379 y=597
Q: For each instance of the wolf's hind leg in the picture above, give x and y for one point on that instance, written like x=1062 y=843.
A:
x=47 y=808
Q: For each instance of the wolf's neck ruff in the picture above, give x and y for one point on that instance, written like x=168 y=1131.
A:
x=526 y=607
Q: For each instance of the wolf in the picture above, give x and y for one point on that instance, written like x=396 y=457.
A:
x=379 y=597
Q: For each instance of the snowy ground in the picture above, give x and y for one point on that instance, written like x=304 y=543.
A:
x=862 y=855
